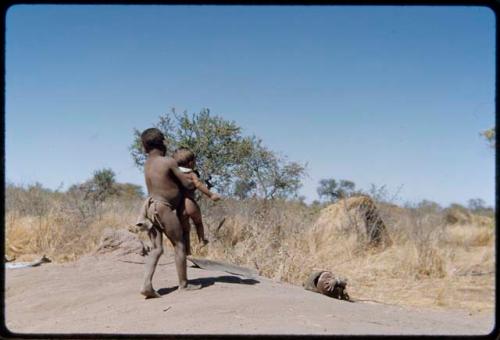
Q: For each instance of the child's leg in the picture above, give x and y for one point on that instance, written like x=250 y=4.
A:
x=186 y=228
x=174 y=232
x=194 y=212
x=156 y=238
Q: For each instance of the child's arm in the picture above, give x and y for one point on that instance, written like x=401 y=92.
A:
x=186 y=182
x=200 y=186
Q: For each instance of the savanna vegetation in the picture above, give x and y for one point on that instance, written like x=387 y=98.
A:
x=437 y=256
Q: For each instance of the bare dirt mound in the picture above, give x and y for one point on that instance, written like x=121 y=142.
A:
x=100 y=294
x=120 y=242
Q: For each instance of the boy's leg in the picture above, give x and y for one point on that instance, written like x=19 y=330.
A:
x=194 y=212
x=156 y=239
x=174 y=232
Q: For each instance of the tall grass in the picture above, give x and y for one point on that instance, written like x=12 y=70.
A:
x=284 y=242
x=59 y=225
x=430 y=262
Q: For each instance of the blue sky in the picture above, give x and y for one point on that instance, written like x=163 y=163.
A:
x=393 y=96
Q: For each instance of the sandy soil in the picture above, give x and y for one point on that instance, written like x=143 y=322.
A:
x=100 y=294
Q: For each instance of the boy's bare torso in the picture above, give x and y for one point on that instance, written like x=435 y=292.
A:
x=160 y=180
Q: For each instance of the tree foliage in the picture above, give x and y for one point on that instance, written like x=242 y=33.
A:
x=478 y=206
x=235 y=165
x=267 y=174
x=87 y=198
x=98 y=188
x=331 y=190
x=429 y=206
x=103 y=186
x=490 y=136
x=128 y=190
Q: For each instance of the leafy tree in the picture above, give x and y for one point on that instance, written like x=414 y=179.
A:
x=458 y=207
x=346 y=188
x=243 y=188
x=332 y=190
x=273 y=175
x=475 y=204
x=490 y=136
x=429 y=206
x=234 y=164
x=217 y=144
x=87 y=198
x=102 y=185
x=327 y=189
x=478 y=206
x=98 y=188
x=128 y=190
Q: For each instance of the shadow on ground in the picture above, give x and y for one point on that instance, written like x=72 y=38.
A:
x=165 y=291
x=209 y=281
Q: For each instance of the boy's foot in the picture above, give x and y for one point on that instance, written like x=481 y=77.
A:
x=204 y=242
x=150 y=293
x=190 y=286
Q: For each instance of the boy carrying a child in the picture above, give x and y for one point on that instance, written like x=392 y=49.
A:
x=162 y=209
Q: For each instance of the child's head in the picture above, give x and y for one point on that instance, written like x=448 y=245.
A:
x=153 y=139
x=184 y=157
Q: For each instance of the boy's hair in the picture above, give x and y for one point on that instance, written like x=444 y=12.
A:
x=153 y=139
x=183 y=156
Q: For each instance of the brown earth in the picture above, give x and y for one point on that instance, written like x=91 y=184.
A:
x=100 y=294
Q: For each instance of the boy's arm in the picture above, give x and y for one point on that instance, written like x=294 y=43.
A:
x=200 y=186
x=186 y=182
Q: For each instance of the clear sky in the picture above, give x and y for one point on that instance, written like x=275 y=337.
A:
x=383 y=95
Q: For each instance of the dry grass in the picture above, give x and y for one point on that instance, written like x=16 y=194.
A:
x=60 y=235
x=430 y=263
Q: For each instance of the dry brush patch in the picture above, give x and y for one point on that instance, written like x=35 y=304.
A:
x=428 y=262
x=62 y=232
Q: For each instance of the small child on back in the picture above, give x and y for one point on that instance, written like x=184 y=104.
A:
x=186 y=161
